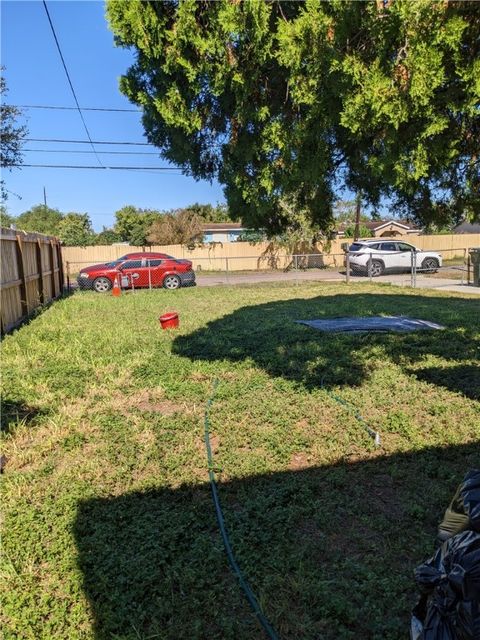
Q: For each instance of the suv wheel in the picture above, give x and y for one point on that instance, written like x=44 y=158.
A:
x=172 y=282
x=102 y=285
x=376 y=269
x=430 y=265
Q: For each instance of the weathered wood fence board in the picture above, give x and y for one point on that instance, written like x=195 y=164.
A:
x=31 y=274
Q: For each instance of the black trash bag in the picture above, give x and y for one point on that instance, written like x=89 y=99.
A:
x=464 y=510
x=449 y=607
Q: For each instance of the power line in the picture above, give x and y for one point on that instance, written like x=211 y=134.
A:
x=109 y=153
x=83 y=166
x=136 y=144
x=39 y=106
x=69 y=81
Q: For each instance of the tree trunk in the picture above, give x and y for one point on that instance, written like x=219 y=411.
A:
x=358 y=208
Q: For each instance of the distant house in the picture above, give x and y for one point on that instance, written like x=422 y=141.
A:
x=384 y=228
x=467 y=227
x=223 y=231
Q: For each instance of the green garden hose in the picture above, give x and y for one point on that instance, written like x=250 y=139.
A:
x=221 y=523
x=218 y=509
x=371 y=432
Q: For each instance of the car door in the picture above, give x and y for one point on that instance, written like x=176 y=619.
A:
x=404 y=255
x=157 y=268
x=137 y=272
x=388 y=254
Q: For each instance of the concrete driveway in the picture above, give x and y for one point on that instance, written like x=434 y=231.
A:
x=326 y=275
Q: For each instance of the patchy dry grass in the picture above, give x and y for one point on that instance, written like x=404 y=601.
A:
x=109 y=528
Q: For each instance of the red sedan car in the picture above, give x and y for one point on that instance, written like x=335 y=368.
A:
x=136 y=270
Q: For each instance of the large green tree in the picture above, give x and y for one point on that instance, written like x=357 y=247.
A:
x=107 y=236
x=5 y=218
x=288 y=101
x=40 y=219
x=132 y=224
x=75 y=230
x=11 y=135
x=209 y=213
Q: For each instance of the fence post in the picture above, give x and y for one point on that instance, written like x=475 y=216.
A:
x=369 y=267
x=21 y=274
x=52 y=271
x=348 y=268
x=226 y=270
x=69 y=288
x=60 y=268
x=464 y=262
x=412 y=269
x=38 y=251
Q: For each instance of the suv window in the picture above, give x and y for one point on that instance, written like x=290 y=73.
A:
x=132 y=264
x=388 y=246
x=356 y=246
x=402 y=246
x=154 y=263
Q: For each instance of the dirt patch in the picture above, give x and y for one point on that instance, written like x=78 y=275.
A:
x=152 y=401
x=198 y=376
x=214 y=444
x=146 y=438
x=166 y=408
x=299 y=460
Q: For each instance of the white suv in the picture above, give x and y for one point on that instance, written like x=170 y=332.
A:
x=375 y=257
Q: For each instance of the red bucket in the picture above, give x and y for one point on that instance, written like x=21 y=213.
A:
x=169 y=320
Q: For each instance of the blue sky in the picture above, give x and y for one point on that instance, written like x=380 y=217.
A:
x=35 y=76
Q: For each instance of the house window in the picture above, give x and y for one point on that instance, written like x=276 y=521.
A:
x=233 y=236
x=208 y=237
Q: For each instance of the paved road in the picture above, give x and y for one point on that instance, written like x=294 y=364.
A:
x=423 y=282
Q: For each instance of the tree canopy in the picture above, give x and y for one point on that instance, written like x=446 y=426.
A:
x=11 y=135
x=132 y=224
x=40 y=219
x=291 y=101
x=75 y=230
x=183 y=226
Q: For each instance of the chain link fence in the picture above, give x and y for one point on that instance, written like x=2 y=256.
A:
x=432 y=269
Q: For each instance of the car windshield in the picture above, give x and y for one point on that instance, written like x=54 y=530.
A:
x=356 y=246
x=113 y=264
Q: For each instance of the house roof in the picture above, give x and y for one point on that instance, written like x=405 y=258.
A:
x=375 y=225
x=467 y=227
x=222 y=226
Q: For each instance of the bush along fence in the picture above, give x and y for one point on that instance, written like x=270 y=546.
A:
x=31 y=274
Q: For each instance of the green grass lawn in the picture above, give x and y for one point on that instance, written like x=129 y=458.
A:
x=109 y=526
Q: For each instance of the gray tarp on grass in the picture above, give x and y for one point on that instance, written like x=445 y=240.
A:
x=376 y=323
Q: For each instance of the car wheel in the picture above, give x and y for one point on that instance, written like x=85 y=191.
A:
x=376 y=268
x=172 y=282
x=102 y=285
x=430 y=265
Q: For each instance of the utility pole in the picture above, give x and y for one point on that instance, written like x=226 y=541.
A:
x=45 y=198
x=358 y=208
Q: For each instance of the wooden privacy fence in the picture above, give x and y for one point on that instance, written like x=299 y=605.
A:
x=246 y=256
x=31 y=274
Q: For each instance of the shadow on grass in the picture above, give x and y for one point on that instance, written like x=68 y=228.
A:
x=13 y=412
x=462 y=378
x=329 y=551
x=267 y=335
